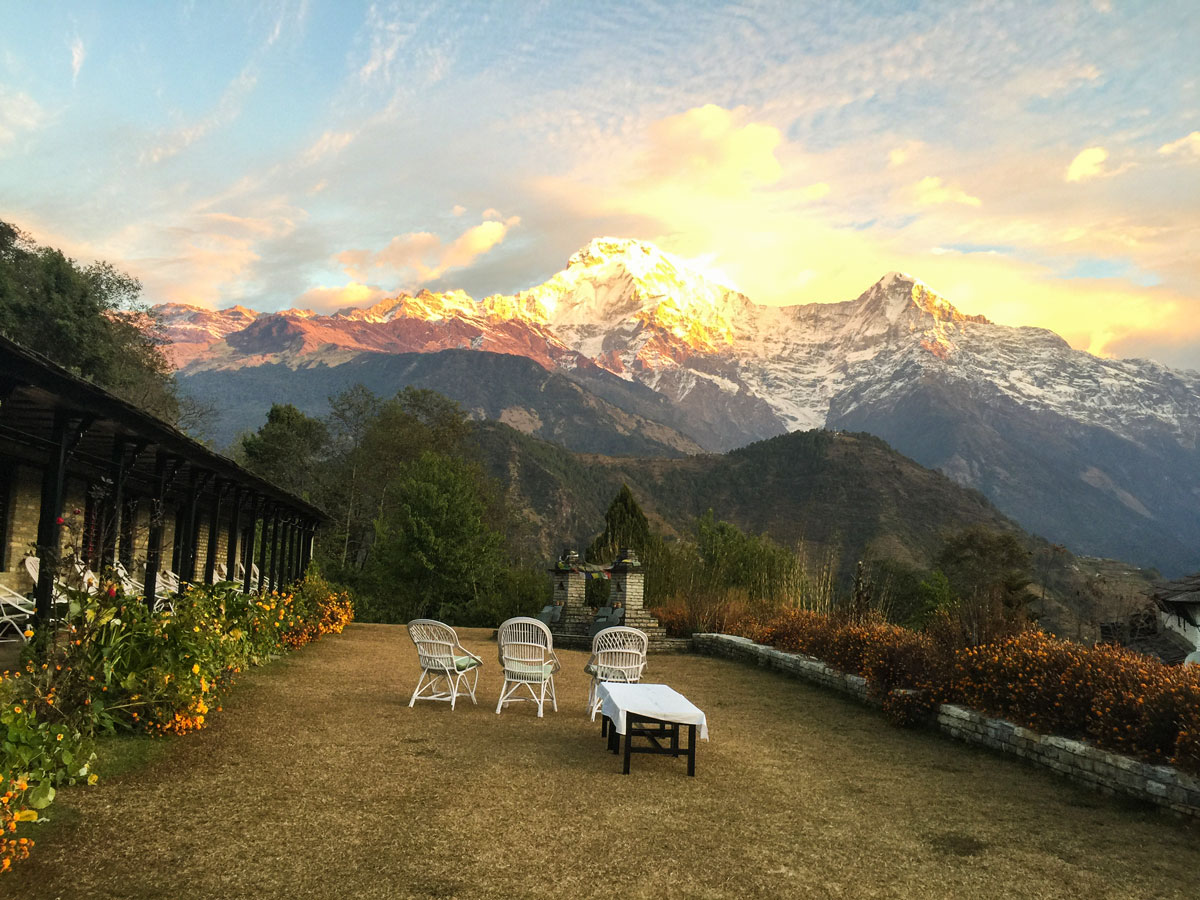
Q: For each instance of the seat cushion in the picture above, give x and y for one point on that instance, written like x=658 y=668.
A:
x=462 y=663
x=605 y=673
x=529 y=670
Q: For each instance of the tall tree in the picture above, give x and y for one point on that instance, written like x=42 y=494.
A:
x=435 y=552
x=287 y=450
x=625 y=525
x=980 y=562
x=89 y=319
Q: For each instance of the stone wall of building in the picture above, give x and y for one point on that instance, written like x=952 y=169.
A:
x=1110 y=773
x=25 y=503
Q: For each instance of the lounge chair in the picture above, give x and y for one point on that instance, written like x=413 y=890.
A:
x=33 y=566
x=16 y=611
x=618 y=654
x=128 y=583
x=527 y=657
x=451 y=668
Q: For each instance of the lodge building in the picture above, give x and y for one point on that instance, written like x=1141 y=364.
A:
x=88 y=480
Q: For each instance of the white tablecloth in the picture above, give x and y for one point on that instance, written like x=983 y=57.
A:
x=657 y=701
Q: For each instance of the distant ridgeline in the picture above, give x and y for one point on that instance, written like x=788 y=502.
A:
x=629 y=351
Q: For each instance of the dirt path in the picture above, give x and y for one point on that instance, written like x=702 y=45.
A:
x=318 y=781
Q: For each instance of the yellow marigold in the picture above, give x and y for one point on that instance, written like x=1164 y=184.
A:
x=195 y=668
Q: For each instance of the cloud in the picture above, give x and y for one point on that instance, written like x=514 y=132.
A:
x=457 y=210
x=421 y=257
x=1187 y=145
x=18 y=112
x=1088 y=164
x=387 y=35
x=225 y=113
x=331 y=299
x=930 y=191
x=777 y=247
x=328 y=144
x=898 y=156
x=708 y=147
x=78 y=54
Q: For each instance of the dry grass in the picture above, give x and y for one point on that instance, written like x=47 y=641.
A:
x=318 y=781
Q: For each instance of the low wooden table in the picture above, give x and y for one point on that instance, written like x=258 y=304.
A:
x=651 y=711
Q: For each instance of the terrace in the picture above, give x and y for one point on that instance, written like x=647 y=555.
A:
x=318 y=781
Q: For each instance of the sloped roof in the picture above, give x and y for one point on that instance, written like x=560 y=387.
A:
x=33 y=388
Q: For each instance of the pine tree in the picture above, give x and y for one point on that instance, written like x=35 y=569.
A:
x=625 y=525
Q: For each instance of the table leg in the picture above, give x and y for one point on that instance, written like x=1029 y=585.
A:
x=691 y=750
x=628 y=741
x=604 y=726
x=675 y=739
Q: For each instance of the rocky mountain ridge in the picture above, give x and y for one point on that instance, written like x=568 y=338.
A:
x=983 y=402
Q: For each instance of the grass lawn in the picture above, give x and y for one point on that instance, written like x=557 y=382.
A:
x=317 y=780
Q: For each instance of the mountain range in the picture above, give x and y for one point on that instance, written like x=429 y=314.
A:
x=630 y=351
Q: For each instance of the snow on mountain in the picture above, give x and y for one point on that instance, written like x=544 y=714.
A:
x=194 y=329
x=1101 y=454
x=643 y=314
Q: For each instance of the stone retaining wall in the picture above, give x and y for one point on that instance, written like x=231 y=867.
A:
x=1110 y=773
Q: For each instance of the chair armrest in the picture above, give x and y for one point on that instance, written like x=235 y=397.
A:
x=463 y=651
x=554 y=659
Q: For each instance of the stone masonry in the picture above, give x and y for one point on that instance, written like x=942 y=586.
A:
x=626 y=591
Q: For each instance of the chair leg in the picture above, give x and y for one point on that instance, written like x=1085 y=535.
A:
x=452 y=683
x=553 y=698
x=474 y=684
x=417 y=690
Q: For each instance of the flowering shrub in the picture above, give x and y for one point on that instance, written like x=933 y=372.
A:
x=118 y=667
x=1119 y=699
x=12 y=811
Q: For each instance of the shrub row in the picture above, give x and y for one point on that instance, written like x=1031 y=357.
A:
x=116 y=667
x=1120 y=700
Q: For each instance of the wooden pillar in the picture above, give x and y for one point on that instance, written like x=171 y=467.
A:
x=187 y=554
x=231 y=545
x=157 y=512
x=49 y=525
x=263 y=541
x=248 y=574
x=214 y=523
x=305 y=546
x=291 y=554
x=109 y=550
x=274 y=545
x=285 y=529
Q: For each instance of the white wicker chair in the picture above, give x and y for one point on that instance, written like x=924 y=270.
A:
x=33 y=567
x=527 y=656
x=128 y=583
x=16 y=610
x=618 y=654
x=452 y=669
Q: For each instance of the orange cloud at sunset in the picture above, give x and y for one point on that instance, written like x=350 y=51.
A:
x=330 y=299
x=424 y=257
x=742 y=200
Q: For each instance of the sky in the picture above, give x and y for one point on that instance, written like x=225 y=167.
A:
x=1038 y=163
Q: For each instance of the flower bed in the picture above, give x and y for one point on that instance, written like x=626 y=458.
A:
x=1117 y=699
x=117 y=667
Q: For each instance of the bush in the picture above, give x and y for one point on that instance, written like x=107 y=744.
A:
x=1119 y=699
x=116 y=666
